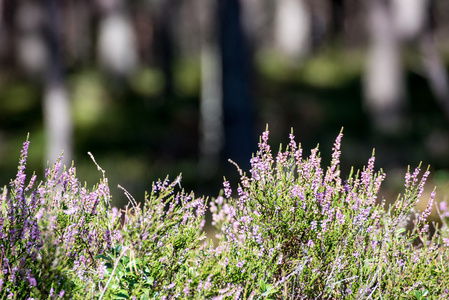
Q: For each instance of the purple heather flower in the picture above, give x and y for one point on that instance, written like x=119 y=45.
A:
x=31 y=183
x=281 y=160
x=245 y=182
x=347 y=187
x=368 y=172
x=103 y=191
x=292 y=143
x=443 y=206
x=243 y=197
x=421 y=186
x=298 y=156
x=446 y=242
x=237 y=294
x=226 y=261
x=414 y=177
x=407 y=180
x=444 y=209
x=314 y=224
x=373 y=244
x=340 y=217
x=240 y=264
x=207 y=284
x=227 y=189
x=219 y=200
x=425 y=228
x=71 y=211
x=39 y=214
x=32 y=281
x=20 y=177
x=428 y=210
x=332 y=170
x=200 y=286
x=203 y=222
x=265 y=135
x=297 y=192
x=324 y=225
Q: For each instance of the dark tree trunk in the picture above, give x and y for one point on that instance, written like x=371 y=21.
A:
x=337 y=18
x=164 y=43
x=55 y=74
x=236 y=84
x=8 y=9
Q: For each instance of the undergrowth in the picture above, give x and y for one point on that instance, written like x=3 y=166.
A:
x=290 y=229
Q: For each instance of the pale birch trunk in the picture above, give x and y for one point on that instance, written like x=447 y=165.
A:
x=117 y=45
x=40 y=56
x=56 y=107
x=292 y=29
x=384 y=79
x=211 y=111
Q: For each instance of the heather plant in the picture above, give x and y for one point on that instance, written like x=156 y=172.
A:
x=60 y=240
x=290 y=229
x=159 y=244
x=51 y=233
x=314 y=236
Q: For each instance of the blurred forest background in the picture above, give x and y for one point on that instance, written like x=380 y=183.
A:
x=157 y=87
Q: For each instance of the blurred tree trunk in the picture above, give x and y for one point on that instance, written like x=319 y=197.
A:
x=293 y=29
x=78 y=16
x=8 y=9
x=384 y=80
x=211 y=110
x=236 y=85
x=409 y=17
x=254 y=22
x=56 y=106
x=394 y=23
x=433 y=64
x=30 y=39
x=163 y=42
x=117 y=49
x=337 y=18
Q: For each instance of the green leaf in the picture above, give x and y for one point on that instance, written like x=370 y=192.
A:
x=400 y=230
x=418 y=295
x=150 y=280
x=122 y=293
x=144 y=297
x=102 y=256
x=125 y=260
x=117 y=249
x=136 y=261
x=263 y=285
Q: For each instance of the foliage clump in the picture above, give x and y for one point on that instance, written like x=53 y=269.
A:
x=291 y=229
